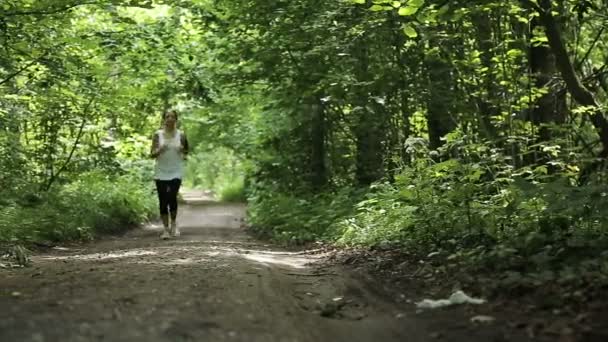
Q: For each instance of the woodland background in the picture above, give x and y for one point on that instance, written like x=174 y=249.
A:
x=474 y=131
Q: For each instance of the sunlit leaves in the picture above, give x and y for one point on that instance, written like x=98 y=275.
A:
x=410 y=31
x=376 y=8
x=405 y=11
x=95 y=66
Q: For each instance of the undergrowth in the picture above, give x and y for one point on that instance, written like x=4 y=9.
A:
x=91 y=205
x=529 y=225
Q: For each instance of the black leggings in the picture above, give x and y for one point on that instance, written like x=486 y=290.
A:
x=167 y=195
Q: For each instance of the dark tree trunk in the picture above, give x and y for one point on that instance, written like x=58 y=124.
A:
x=368 y=130
x=549 y=108
x=369 y=150
x=404 y=96
x=487 y=109
x=317 y=135
x=439 y=118
x=579 y=92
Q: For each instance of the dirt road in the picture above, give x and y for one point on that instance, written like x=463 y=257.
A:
x=214 y=283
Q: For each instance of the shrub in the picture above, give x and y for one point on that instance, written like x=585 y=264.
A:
x=479 y=212
x=233 y=190
x=295 y=219
x=93 y=204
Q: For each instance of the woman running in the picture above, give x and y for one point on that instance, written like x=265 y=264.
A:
x=169 y=148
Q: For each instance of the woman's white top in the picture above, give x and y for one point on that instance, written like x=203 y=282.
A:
x=170 y=162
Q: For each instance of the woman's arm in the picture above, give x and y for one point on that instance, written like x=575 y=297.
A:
x=155 y=149
x=184 y=143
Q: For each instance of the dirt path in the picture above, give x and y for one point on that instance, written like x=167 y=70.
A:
x=212 y=284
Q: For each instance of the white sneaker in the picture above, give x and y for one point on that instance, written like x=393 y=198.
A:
x=165 y=235
x=174 y=230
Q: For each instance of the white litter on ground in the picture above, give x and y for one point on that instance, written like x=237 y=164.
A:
x=457 y=297
x=482 y=319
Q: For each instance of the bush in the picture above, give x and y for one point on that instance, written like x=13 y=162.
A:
x=233 y=190
x=479 y=212
x=290 y=219
x=93 y=204
x=218 y=170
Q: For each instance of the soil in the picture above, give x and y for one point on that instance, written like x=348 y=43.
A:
x=217 y=283
x=547 y=312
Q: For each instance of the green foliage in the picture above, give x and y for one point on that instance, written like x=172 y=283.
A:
x=233 y=191
x=218 y=170
x=477 y=212
x=493 y=179
x=297 y=103
x=91 y=205
x=81 y=89
x=292 y=219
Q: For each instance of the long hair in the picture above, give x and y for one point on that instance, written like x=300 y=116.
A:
x=169 y=111
x=164 y=116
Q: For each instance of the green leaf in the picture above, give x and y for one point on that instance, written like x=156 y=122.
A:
x=408 y=10
x=542 y=169
x=514 y=53
x=415 y=3
x=443 y=10
x=539 y=40
x=362 y=2
x=376 y=8
x=410 y=31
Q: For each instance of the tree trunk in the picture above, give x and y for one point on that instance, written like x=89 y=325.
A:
x=317 y=159
x=575 y=87
x=404 y=96
x=550 y=107
x=369 y=150
x=485 y=44
x=368 y=130
x=439 y=121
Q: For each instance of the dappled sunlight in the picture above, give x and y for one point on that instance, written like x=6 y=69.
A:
x=172 y=262
x=188 y=255
x=103 y=256
x=188 y=252
x=282 y=260
x=270 y=252
x=266 y=257
x=215 y=242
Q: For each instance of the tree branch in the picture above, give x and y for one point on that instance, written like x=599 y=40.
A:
x=295 y=62
x=575 y=87
x=48 y=12
x=74 y=146
x=579 y=64
x=532 y=5
x=16 y=73
x=132 y=3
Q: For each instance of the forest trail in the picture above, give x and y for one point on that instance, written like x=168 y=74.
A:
x=214 y=283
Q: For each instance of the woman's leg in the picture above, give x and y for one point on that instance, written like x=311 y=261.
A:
x=162 y=189
x=175 y=185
